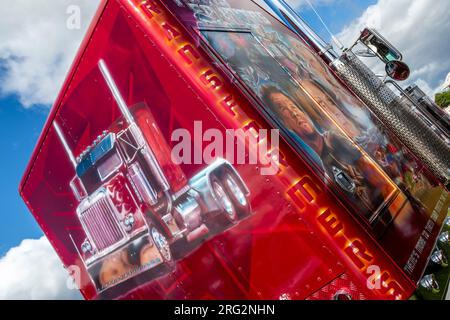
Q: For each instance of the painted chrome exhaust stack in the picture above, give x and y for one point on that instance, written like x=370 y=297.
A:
x=65 y=143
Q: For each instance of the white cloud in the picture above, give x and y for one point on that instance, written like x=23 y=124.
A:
x=37 y=47
x=419 y=28
x=33 y=271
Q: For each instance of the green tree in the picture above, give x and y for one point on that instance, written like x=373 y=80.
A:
x=443 y=99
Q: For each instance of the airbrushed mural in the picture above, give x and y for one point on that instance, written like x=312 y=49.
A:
x=104 y=186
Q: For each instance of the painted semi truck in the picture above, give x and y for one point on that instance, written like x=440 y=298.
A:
x=204 y=149
x=137 y=206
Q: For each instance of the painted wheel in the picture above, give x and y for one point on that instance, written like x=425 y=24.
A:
x=226 y=203
x=162 y=244
x=236 y=193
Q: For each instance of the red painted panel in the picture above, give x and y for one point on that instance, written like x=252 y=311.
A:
x=298 y=241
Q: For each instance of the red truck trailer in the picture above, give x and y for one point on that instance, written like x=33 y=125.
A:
x=202 y=150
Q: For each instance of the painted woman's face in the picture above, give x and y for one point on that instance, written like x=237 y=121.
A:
x=292 y=115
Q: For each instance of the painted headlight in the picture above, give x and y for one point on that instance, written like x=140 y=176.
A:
x=129 y=222
x=86 y=247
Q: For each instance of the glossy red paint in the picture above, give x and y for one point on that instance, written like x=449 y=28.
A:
x=299 y=239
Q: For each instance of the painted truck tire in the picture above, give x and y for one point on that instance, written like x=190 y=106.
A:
x=229 y=214
x=236 y=193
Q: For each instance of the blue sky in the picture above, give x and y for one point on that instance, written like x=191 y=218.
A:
x=336 y=14
x=19 y=130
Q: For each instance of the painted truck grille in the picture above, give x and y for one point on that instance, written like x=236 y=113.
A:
x=102 y=224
